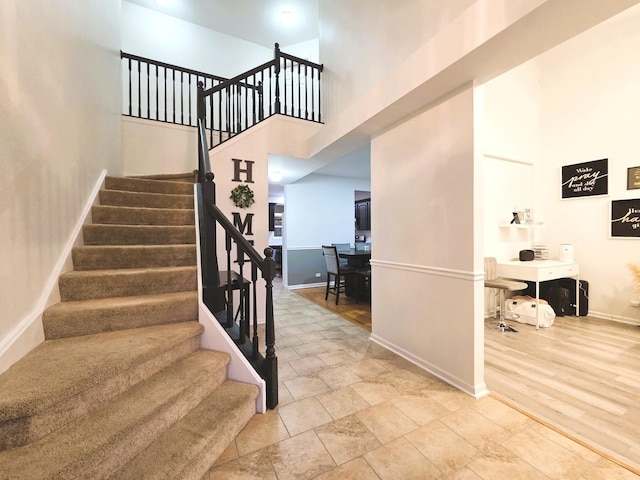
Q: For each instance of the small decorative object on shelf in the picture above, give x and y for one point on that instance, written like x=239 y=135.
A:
x=242 y=196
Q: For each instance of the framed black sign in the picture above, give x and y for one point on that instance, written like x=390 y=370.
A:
x=625 y=218
x=585 y=179
x=633 y=178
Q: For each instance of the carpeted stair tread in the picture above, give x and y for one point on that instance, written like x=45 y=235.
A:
x=138 y=234
x=148 y=185
x=87 y=317
x=84 y=285
x=121 y=215
x=190 y=447
x=149 y=200
x=103 y=257
x=97 y=445
x=189 y=177
x=62 y=379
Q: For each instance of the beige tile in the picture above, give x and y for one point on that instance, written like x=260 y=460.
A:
x=498 y=463
x=286 y=371
x=464 y=474
x=287 y=331
x=369 y=368
x=346 y=439
x=386 y=422
x=476 y=429
x=342 y=402
x=452 y=399
x=607 y=470
x=304 y=387
x=255 y=466
x=356 y=469
x=310 y=346
x=566 y=442
x=284 y=396
x=303 y=415
x=401 y=460
x=261 y=431
x=339 y=376
x=375 y=392
x=309 y=365
x=337 y=357
x=547 y=456
x=300 y=457
x=443 y=447
x=287 y=354
x=422 y=410
x=334 y=344
x=404 y=381
x=508 y=418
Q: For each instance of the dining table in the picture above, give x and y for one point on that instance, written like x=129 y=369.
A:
x=355 y=257
x=358 y=285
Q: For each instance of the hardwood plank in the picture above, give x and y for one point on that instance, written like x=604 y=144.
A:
x=355 y=312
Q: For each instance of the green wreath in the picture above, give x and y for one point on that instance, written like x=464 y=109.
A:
x=242 y=196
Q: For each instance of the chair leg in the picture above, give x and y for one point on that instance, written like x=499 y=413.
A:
x=337 y=285
x=326 y=294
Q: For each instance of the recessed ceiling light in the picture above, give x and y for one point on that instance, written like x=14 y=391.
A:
x=287 y=18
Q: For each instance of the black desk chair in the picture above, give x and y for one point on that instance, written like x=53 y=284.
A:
x=336 y=270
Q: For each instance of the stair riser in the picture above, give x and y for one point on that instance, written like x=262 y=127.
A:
x=124 y=283
x=109 y=460
x=103 y=258
x=141 y=216
x=148 y=186
x=92 y=321
x=21 y=431
x=138 y=235
x=147 y=200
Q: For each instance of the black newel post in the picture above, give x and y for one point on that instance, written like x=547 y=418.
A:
x=270 y=361
x=201 y=116
x=277 y=62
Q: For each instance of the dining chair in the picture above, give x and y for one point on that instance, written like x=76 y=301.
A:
x=337 y=271
x=491 y=280
x=341 y=248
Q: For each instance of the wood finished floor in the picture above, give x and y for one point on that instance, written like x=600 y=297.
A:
x=580 y=376
x=355 y=312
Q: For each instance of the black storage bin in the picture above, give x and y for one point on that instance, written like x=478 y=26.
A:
x=570 y=284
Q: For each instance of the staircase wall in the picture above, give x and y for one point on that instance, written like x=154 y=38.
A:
x=61 y=88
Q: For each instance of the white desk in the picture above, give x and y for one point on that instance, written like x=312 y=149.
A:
x=539 y=271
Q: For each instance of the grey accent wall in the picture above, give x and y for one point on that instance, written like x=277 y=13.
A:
x=303 y=266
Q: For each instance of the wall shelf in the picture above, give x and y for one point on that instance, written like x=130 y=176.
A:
x=521 y=225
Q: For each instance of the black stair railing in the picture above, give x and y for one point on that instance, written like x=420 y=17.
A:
x=222 y=287
x=154 y=90
x=285 y=85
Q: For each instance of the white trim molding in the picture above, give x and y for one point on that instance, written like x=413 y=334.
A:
x=438 y=271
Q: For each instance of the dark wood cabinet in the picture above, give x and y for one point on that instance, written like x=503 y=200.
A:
x=363 y=215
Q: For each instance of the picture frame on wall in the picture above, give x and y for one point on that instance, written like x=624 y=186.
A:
x=625 y=218
x=633 y=178
x=585 y=179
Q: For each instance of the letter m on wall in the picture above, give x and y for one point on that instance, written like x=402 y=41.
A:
x=243 y=225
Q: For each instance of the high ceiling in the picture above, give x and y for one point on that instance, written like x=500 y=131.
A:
x=256 y=21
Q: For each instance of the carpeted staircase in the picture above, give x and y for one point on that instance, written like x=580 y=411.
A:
x=121 y=388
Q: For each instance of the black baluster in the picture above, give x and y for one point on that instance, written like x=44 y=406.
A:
x=319 y=98
x=130 y=91
x=157 y=95
x=277 y=78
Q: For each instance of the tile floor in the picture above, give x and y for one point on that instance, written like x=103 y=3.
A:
x=350 y=409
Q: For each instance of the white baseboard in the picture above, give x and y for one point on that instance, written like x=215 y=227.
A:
x=307 y=285
x=28 y=333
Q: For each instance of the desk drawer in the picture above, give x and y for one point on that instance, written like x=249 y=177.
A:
x=559 y=271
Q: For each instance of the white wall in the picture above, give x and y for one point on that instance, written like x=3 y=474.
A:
x=393 y=31
x=426 y=257
x=320 y=210
x=510 y=143
x=591 y=110
x=59 y=128
x=154 y=35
